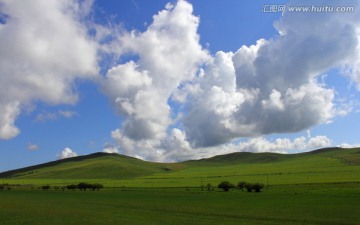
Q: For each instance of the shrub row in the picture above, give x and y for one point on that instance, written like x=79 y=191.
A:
x=83 y=186
x=80 y=186
x=226 y=186
x=5 y=187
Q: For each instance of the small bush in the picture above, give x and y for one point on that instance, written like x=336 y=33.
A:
x=5 y=186
x=226 y=185
x=96 y=186
x=248 y=187
x=241 y=185
x=45 y=187
x=84 y=186
x=258 y=186
x=71 y=187
x=209 y=187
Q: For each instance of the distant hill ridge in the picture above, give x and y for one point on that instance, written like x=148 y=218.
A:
x=54 y=163
x=105 y=165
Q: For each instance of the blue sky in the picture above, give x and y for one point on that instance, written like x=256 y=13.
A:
x=170 y=81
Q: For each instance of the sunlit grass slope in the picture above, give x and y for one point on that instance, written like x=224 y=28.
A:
x=333 y=165
x=93 y=166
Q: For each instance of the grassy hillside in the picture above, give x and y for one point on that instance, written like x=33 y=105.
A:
x=319 y=187
x=93 y=166
x=332 y=165
x=322 y=166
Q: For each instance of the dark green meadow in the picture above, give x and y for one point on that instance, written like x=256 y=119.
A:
x=283 y=204
x=320 y=187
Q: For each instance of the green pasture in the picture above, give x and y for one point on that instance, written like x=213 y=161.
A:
x=283 y=204
x=332 y=166
x=320 y=187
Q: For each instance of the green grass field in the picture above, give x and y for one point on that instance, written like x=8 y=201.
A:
x=324 y=166
x=284 y=204
x=320 y=187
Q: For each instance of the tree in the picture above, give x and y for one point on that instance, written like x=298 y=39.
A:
x=241 y=185
x=5 y=186
x=258 y=186
x=249 y=187
x=209 y=187
x=226 y=185
x=71 y=187
x=96 y=187
x=45 y=187
x=83 y=186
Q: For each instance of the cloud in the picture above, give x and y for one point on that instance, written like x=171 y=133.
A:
x=275 y=83
x=44 y=48
x=278 y=145
x=45 y=116
x=262 y=144
x=8 y=113
x=66 y=153
x=345 y=25
x=176 y=148
x=110 y=148
x=32 y=147
x=181 y=102
x=175 y=99
x=146 y=149
x=284 y=145
x=164 y=56
x=67 y=113
x=346 y=145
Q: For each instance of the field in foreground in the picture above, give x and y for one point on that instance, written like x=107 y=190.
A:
x=283 y=204
x=320 y=187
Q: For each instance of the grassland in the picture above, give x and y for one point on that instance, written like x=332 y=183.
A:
x=320 y=187
x=293 y=204
x=322 y=166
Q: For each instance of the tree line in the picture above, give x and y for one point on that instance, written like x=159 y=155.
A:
x=242 y=185
x=5 y=186
x=80 y=186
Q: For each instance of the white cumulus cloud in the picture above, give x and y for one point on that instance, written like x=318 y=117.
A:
x=181 y=102
x=8 y=113
x=66 y=153
x=44 y=48
x=275 y=83
x=346 y=145
x=167 y=54
x=176 y=100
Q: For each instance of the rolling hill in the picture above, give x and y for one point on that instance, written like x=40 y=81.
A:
x=319 y=166
x=92 y=166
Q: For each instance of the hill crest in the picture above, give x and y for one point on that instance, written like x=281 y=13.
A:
x=108 y=165
x=80 y=158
